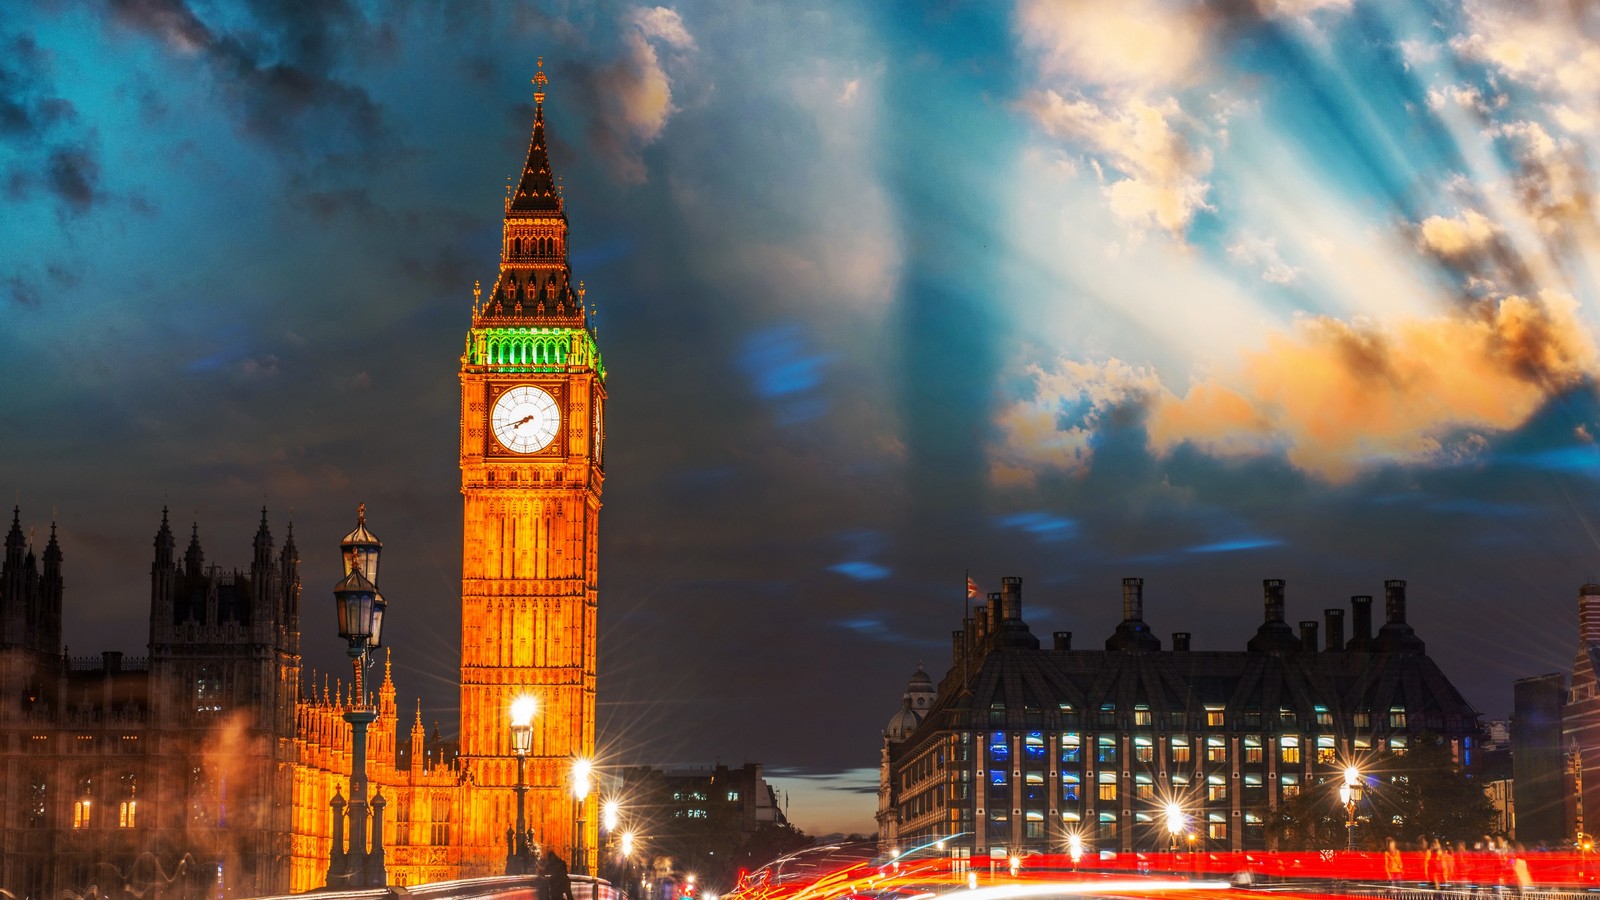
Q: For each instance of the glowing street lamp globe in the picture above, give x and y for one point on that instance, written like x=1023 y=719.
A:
x=522 y=710
x=608 y=815
x=580 y=778
x=627 y=844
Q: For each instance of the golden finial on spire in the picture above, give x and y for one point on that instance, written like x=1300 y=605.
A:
x=580 y=290
x=539 y=81
x=477 y=295
x=361 y=514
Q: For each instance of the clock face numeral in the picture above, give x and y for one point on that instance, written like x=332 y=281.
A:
x=525 y=419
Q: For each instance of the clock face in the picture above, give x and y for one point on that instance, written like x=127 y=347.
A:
x=525 y=419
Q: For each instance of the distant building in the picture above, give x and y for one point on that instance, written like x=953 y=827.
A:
x=1023 y=745
x=692 y=814
x=1539 y=807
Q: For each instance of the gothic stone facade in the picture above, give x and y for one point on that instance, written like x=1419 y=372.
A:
x=1024 y=745
x=202 y=769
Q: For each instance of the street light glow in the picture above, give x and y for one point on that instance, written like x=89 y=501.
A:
x=522 y=710
x=580 y=777
x=1174 y=818
x=1352 y=776
x=608 y=815
x=627 y=844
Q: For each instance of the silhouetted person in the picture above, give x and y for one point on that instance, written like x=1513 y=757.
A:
x=559 y=886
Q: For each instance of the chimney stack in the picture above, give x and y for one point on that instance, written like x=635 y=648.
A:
x=1360 y=623
x=1132 y=599
x=1589 y=613
x=1334 y=619
x=1063 y=641
x=1394 y=601
x=1011 y=598
x=1308 y=636
x=1272 y=591
x=1180 y=641
x=994 y=612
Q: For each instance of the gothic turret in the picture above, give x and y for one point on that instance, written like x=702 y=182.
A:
x=13 y=583
x=51 y=587
x=535 y=283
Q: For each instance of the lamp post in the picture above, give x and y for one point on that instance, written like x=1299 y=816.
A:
x=519 y=860
x=610 y=814
x=1350 y=795
x=580 y=793
x=360 y=609
x=626 y=845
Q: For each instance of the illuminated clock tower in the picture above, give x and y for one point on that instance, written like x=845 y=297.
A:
x=532 y=420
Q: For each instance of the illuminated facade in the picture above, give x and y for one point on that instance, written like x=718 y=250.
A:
x=532 y=420
x=206 y=766
x=1024 y=746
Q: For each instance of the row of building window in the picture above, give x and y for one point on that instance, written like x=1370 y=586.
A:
x=1216 y=716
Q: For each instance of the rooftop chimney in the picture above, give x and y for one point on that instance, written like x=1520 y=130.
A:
x=1133 y=633
x=1397 y=634
x=1589 y=613
x=1334 y=620
x=1063 y=641
x=1308 y=636
x=994 y=612
x=1132 y=599
x=1274 y=635
x=1272 y=592
x=1011 y=598
x=1394 y=601
x=1180 y=641
x=1360 y=623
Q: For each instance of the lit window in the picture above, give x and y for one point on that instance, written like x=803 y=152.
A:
x=1327 y=754
x=80 y=814
x=1180 y=749
x=1144 y=749
x=1252 y=749
x=1106 y=749
x=1361 y=719
x=1143 y=787
x=1141 y=715
x=1107 y=785
x=1397 y=717
x=1216 y=787
x=1324 y=718
x=1290 y=749
x=1214 y=716
x=733 y=796
x=1071 y=747
x=1397 y=746
x=1216 y=749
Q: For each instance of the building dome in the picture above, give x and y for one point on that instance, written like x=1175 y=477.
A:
x=901 y=724
x=920 y=692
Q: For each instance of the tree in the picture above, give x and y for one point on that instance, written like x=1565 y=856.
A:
x=1407 y=795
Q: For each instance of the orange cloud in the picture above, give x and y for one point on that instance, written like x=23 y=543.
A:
x=1337 y=396
x=1334 y=397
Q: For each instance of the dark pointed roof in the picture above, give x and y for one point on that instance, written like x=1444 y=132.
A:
x=536 y=191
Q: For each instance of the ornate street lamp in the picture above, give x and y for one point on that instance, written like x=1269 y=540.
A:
x=520 y=858
x=360 y=610
x=1175 y=823
x=580 y=791
x=1350 y=795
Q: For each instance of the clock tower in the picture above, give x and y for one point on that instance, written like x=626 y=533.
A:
x=532 y=435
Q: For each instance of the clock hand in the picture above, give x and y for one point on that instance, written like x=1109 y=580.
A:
x=522 y=421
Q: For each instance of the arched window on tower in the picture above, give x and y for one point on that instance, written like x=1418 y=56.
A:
x=82 y=802
x=128 y=805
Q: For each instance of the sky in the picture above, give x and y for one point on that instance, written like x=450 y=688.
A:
x=888 y=292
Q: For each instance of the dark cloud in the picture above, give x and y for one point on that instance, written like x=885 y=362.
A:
x=279 y=75
x=28 y=107
x=21 y=291
x=72 y=174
